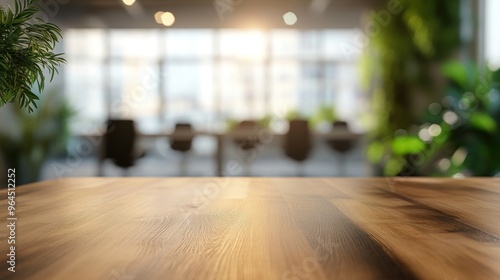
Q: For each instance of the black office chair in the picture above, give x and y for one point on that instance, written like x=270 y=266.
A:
x=341 y=146
x=119 y=144
x=298 y=143
x=246 y=139
x=249 y=138
x=181 y=140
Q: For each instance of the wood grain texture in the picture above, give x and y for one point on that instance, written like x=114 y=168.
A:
x=256 y=228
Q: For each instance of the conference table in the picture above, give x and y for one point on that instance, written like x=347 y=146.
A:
x=264 y=135
x=256 y=228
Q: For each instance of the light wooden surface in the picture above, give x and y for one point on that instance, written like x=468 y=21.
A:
x=259 y=228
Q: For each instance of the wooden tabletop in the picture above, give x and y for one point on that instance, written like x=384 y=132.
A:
x=258 y=228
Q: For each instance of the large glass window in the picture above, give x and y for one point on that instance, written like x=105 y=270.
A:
x=242 y=94
x=143 y=44
x=491 y=33
x=284 y=83
x=84 y=78
x=206 y=76
x=243 y=44
x=188 y=92
x=134 y=92
x=188 y=43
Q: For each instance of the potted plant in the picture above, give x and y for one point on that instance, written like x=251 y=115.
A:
x=323 y=118
x=26 y=51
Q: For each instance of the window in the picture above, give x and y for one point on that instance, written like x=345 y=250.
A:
x=284 y=84
x=245 y=45
x=84 y=78
x=188 y=43
x=206 y=76
x=134 y=86
x=143 y=44
x=491 y=33
x=188 y=93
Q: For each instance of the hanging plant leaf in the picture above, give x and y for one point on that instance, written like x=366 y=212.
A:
x=495 y=79
x=393 y=167
x=407 y=145
x=483 y=121
x=375 y=152
x=26 y=53
x=457 y=73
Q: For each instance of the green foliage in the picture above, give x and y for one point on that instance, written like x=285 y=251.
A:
x=456 y=73
x=26 y=51
x=375 y=152
x=483 y=121
x=397 y=70
x=265 y=121
x=29 y=138
x=324 y=113
x=424 y=33
x=294 y=114
x=469 y=118
x=230 y=123
x=407 y=145
x=475 y=136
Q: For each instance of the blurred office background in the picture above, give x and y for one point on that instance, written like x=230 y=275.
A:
x=385 y=88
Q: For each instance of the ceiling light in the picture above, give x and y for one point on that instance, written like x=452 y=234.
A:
x=158 y=17
x=290 y=18
x=129 y=2
x=167 y=19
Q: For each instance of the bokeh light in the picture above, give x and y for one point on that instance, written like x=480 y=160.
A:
x=444 y=164
x=400 y=132
x=128 y=2
x=290 y=18
x=450 y=118
x=459 y=156
x=435 y=130
x=167 y=19
x=435 y=108
x=158 y=17
x=424 y=134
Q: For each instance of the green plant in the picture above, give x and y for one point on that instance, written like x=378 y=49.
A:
x=324 y=113
x=27 y=140
x=294 y=114
x=265 y=121
x=26 y=51
x=458 y=135
x=398 y=68
x=470 y=123
x=231 y=123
